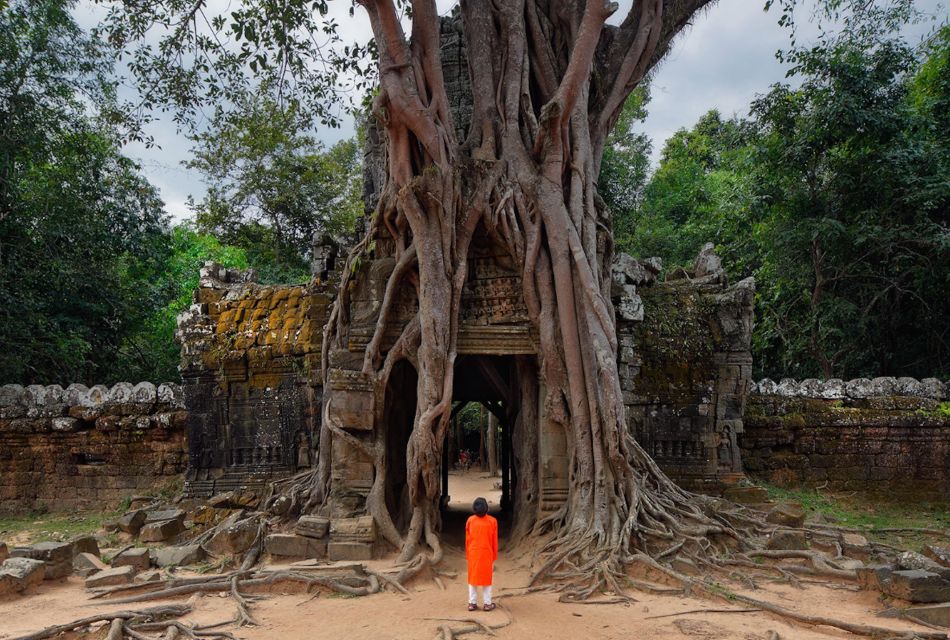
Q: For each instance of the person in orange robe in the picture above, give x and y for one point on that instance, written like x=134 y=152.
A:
x=481 y=551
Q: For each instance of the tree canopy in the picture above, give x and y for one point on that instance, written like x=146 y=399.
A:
x=834 y=194
x=272 y=186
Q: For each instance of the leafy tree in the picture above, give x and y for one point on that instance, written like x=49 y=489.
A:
x=151 y=352
x=858 y=195
x=834 y=195
x=80 y=229
x=625 y=166
x=701 y=191
x=273 y=186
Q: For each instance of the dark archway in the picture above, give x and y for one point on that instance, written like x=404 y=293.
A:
x=506 y=387
x=400 y=411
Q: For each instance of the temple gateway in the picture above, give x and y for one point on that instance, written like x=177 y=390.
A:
x=252 y=365
x=254 y=390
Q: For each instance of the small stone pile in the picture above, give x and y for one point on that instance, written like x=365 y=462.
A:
x=25 y=567
x=350 y=539
x=922 y=579
x=313 y=537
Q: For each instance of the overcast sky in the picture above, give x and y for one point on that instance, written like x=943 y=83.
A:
x=721 y=62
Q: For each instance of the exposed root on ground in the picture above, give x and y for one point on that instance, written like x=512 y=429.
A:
x=448 y=632
x=137 y=625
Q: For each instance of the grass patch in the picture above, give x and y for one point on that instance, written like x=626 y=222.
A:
x=872 y=512
x=942 y=411
x=42 y=527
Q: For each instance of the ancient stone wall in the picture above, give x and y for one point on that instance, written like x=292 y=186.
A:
x=885 y=434
x=251 y=376
x=685 y=365
x=78 y=448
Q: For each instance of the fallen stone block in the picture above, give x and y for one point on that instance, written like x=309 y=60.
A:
x=280 y=506
x=20 y=574
x=53 y=552
x=86 y=564
x=149 y=576
x=57 y=558
x=240 y=499
x=294 y=546
x=85 y=544
x=205 y=515
x=234 y=538
x=350 y=551
x=161 y=531
x=936 y=614
x=111 y=577
x=913 y=560
x=57 y=570
x=746 y=495
x=918 y=585
x=940 y=555
x=849 y=564
x=137 y=558
x=854 y=545
x=178 y=556
x=131 y=522
x=362 y=529
x=874 y=577
x=787 y=540
x=312 y=526
x=787 y=515
x=854 y=540
x=164 y=514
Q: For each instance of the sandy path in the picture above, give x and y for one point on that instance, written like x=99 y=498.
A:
x=291 y=615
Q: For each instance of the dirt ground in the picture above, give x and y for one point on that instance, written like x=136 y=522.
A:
x=292 y=615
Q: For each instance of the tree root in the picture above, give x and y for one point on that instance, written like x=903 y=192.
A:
x=122 y=619
x=447 y=632
x=857 y=629
x=691 y=611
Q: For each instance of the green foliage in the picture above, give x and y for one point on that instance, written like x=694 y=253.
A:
x=942 y=411
x=625 y=164
x=184 y=56
x=273 y=186
x=80 y=229
x=153 y=352
x=834 y=195
x=91 y=277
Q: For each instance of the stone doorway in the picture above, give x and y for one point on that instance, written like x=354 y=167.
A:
x=491 y=383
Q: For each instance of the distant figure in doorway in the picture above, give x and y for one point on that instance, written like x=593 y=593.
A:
x=481 y=551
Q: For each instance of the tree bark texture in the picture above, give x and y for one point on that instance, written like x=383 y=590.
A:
x=549 y=78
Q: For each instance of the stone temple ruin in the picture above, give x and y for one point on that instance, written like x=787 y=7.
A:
x=252 y=375
x=251 y=365
x=252 y=399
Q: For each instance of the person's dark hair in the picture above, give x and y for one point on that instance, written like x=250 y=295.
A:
x=480 y=507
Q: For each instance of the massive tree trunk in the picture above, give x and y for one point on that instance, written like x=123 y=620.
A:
x=549 y=78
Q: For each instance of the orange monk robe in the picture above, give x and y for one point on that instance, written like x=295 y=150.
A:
x=481 y=548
